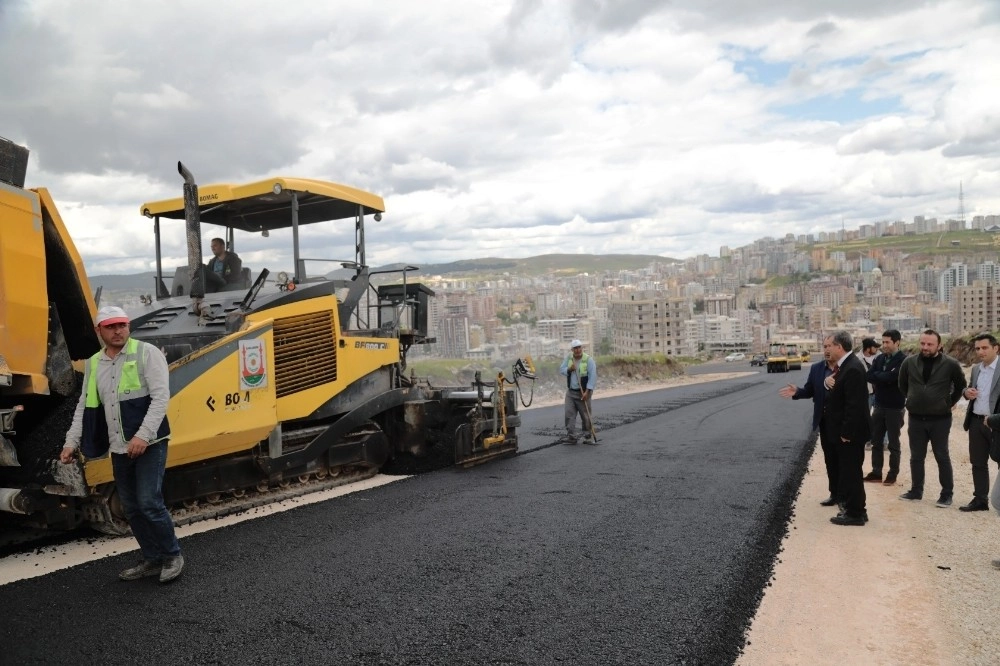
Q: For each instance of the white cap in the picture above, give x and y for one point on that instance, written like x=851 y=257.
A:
x=110 y=314
x=575 y=344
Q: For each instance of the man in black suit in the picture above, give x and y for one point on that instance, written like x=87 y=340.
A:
x=983 y=395
x=847 y=422
x=814 y=389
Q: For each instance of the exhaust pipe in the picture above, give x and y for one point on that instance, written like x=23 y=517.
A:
x=192 y=221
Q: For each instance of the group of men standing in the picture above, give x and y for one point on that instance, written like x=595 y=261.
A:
x=861 y=398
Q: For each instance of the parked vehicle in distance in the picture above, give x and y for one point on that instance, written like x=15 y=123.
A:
x=758 y=359
x=736 y=356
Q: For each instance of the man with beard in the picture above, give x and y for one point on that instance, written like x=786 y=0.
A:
x=814 y=388
x=847 y=424
x=932 y=383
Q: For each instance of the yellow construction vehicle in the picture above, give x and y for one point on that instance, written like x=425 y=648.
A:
x=277 y=388
x=794 y=356
x=777 y=357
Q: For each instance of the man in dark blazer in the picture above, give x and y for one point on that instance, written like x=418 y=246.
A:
x=983 y=393
x=847 y=423
x=815 y=390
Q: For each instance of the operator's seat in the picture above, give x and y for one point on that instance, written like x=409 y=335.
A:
x=181 y=285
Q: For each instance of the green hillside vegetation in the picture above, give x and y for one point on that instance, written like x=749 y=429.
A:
x=970 y=241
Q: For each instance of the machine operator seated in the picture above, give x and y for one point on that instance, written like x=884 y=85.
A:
x=224 y=271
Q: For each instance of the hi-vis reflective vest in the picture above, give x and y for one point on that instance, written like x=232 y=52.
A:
x=133 y=402
x=581 y=370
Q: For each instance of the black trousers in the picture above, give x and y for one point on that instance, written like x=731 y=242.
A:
x=886 y=421
x=936 y=432
x=851 y=456
x=980 y=438
x=831 y=459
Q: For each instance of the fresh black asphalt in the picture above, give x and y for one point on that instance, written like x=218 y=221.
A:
x=651 y=548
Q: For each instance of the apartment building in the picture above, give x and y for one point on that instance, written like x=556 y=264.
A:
x=648 y=324
x=975 y=308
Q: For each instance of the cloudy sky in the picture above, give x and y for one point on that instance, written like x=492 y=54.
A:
x=499 y=128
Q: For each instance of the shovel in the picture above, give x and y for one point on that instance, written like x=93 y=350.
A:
x=590 y=420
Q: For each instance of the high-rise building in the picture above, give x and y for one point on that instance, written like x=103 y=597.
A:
x=956 y=275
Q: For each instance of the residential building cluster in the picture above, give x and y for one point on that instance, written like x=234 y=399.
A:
x=709 y=306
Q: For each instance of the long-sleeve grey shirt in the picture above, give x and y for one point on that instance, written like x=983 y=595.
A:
x=574 y=377
x=155 y=375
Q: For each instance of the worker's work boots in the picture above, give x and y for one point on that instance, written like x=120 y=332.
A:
x=172 y=567
x=141 y=570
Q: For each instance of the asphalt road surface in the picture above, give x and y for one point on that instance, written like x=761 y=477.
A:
x=651 y=548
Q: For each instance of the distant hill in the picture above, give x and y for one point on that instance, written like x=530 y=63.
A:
x=920 y=247
x=562 y=264
x=121 y=282
x=546 y=263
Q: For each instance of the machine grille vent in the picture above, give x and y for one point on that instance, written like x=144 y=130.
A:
x=305 y=352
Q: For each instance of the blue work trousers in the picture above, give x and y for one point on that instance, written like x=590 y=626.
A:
x=140 y=489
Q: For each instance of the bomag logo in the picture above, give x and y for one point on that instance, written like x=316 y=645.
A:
x=207 y=197
x=370 y=345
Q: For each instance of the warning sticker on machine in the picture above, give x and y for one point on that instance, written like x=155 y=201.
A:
x=253 y=364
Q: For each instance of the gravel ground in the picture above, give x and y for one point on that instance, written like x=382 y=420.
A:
x=914 y=586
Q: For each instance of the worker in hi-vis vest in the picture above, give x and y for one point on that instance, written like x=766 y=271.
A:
x=581 y=377
x=123 y=412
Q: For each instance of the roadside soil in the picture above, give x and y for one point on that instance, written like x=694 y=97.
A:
x=913 y=586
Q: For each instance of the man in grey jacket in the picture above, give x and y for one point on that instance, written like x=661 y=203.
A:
x=932 y=383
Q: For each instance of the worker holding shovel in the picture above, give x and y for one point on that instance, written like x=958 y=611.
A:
x=581 y=377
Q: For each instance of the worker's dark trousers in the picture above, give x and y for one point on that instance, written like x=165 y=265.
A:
x=140 y=488
x=935 y=431
x=573 y=406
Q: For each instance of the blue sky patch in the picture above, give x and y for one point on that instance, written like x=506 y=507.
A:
x=762 y=72
x=843 y=107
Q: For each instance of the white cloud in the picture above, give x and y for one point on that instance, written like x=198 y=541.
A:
x=509 y=129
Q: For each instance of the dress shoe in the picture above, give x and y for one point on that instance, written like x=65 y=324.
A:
x=829 y=501
x=874 y=477
x=977 y=504
x=912 y=495
x=944 y=501
x=890 y=480
x=864 y=515
x=858 y=521
x=996 y=564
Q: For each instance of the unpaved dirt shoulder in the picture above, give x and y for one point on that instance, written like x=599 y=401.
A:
x=914 y=586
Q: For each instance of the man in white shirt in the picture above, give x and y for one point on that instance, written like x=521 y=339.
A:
x=982 y=395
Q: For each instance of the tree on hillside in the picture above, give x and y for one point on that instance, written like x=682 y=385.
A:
x=604 y=347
